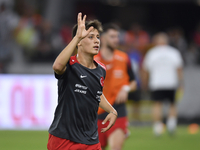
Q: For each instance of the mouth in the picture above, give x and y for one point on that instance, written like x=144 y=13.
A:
x=96 y=47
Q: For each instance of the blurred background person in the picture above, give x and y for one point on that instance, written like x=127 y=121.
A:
x=137 y=38
x=177 y=40
x=26 y=33
x=195 y=44
x=135 y=96
x=136 y=42
x=162 y=71
x=119 y=82
x=8 y=23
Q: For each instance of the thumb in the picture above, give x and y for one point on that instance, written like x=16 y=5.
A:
x=105 y=120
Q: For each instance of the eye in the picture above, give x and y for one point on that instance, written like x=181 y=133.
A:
x=90 y=37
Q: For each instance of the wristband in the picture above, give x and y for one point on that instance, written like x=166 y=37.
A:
x=114 y=113
x=126 y=88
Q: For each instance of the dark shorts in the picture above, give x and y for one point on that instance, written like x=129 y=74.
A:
x=135 y=95
x=56 y=143
x=163 y=95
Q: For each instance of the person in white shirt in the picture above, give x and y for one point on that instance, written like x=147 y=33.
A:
x=162 y=73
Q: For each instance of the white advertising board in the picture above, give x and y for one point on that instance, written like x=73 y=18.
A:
x=27 y=101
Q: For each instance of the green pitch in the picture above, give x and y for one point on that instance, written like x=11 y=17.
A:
x=141 y=138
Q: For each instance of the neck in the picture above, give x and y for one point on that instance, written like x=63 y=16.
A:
x=86 y=60
x=107 y=53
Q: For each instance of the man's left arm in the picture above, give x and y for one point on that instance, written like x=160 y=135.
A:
x=123 y=93
x=112 y=113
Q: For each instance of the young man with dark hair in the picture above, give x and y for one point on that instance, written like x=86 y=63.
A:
x=118 y=83
x=80 y=86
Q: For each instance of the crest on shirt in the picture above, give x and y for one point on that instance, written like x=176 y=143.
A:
x=102 y=81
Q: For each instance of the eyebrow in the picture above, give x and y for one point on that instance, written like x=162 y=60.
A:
x=94 y=34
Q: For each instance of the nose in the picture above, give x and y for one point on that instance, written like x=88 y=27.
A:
x=97 y=40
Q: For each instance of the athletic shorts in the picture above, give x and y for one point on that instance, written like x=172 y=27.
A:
x=121 y=123
x=135 y=95
x=56 y=143
x=162 y=95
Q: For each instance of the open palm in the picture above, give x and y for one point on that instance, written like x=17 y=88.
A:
x=81 y=31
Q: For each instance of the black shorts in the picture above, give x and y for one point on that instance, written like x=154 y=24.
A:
x=163 y=95
x=121 y=111
x=135 y=95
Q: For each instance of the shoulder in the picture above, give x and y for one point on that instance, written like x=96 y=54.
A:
x=100 y=64
x=73 y=60
x=156 y=50
x=120 y=53
x=121 y=56
x=149 y=53
x=174 y=50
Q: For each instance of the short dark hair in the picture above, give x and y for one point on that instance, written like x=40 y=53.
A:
x=109 y=26
x=93 y=23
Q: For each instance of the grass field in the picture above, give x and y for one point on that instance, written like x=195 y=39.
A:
x=141 y=138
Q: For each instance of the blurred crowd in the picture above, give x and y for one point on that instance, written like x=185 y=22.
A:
x=40 y=42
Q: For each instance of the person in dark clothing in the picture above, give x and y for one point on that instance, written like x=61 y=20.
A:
x=80 y=88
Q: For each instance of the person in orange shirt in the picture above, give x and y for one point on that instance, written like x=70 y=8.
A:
x=118 y=83
x=137 y=38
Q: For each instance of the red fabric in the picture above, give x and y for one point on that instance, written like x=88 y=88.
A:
x=102 y=65
x=56 y=143
x=121 y=123
x=73 y=60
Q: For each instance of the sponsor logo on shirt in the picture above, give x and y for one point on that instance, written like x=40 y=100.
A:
x=82 y=76
x=81 y=86
x=109 y=66
x=80 y=89
x=118 y=57
x=99 y=93
x=118 y=73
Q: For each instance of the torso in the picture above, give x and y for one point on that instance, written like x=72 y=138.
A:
x=79 y=91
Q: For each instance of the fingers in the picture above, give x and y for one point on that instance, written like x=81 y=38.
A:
x=118 y=100
x=90 y=29
x=105 y=120
x=79 y=18
x=121 y=97
x=107 y=128
x=111 y=118
x=84 y=18
x=81 y=31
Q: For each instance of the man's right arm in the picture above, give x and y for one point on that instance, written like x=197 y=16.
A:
x=60 y=63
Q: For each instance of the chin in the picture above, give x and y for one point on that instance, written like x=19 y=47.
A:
x=96 y=52
x=112 y=47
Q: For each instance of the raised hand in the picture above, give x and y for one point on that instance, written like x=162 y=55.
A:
x=81 y=31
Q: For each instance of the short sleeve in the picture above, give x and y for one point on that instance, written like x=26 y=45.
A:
x=130 y=70
x=62 y=75
x=178 y=60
